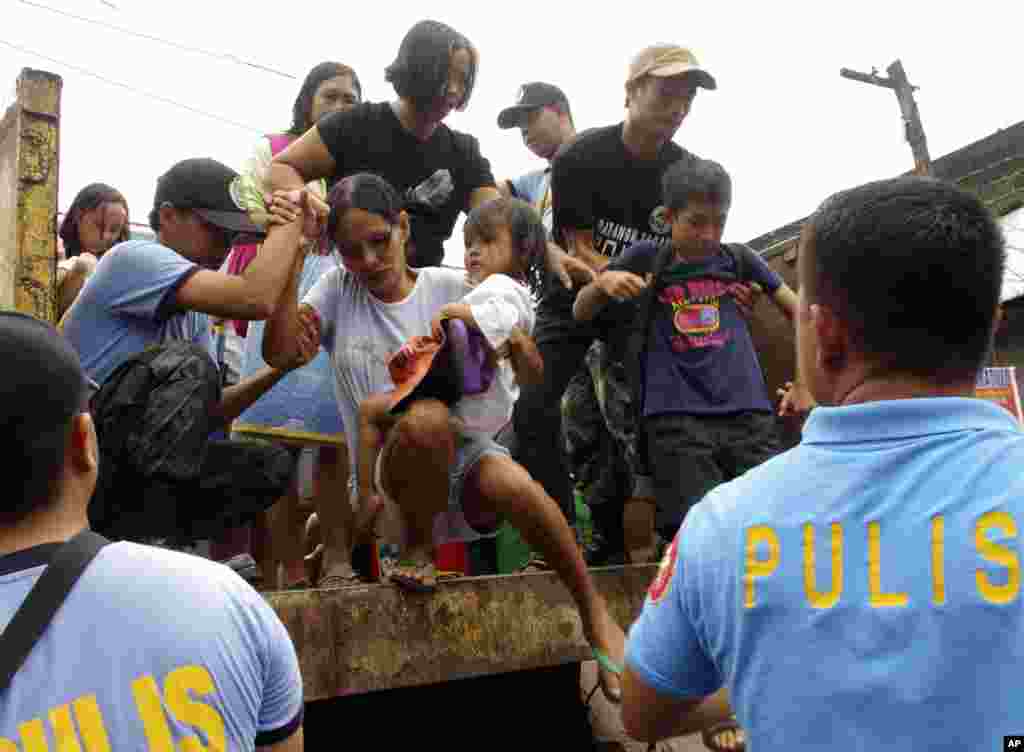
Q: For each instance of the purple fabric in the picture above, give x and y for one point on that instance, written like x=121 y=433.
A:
x=470 y=347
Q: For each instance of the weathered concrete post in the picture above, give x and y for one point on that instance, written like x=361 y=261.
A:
x=29 y=159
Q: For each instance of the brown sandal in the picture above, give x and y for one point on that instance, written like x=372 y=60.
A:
x=415 y=576
x=535 y=564
x=726 y=736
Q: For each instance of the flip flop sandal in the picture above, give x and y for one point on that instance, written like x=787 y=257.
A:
x=604 y=662
x=415 y=577
x=535 y=564
x=335 y=581
x=713 y=737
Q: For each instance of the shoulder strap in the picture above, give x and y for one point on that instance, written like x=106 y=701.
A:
x=645 y=317
x=745 y=258
x=44 y=600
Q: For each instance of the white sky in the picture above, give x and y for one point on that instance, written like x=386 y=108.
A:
x=783 y=122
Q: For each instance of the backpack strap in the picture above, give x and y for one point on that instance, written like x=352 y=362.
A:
x=641 y=334
x=745 y=258
x=636 y=361
x=44 y=600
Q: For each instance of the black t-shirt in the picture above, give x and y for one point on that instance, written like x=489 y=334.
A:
x=370 y=138
x=597 y=185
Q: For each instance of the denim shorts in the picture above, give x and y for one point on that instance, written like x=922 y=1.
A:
x=452 y=525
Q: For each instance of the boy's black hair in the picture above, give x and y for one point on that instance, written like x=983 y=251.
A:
x=688 y=178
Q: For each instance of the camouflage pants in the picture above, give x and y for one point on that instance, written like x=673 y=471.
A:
x=598 y=428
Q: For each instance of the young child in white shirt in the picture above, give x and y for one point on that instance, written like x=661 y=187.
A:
x=505 y=255
x=502 y=241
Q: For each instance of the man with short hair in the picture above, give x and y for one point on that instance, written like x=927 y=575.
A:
x=597 y=426
x=542 y=115
x=838 y=590
x=161 y=292
x=150 y=648
x=606 y=194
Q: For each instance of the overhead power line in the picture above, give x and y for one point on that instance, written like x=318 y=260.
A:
x=151 y=95
x=161 y=40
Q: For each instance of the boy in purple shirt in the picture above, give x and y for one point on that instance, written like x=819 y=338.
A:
x=704 y=410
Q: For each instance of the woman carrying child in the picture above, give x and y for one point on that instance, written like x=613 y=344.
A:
x=364 y=311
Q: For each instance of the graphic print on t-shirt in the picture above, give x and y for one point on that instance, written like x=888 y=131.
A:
x=611 y=238
x=599 y=186
x=695 y=311
x=434 y=191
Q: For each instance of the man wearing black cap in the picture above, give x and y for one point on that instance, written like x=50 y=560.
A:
x=542 y=115
x=148 y=646
x=147 y=293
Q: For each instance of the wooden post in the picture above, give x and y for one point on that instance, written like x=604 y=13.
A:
x=897 y=81
x=29 y=157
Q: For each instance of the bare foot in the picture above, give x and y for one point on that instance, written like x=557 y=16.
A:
x=314 y=562
x=312 y=533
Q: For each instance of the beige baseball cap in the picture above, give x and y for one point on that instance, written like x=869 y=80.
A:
x=668 y=60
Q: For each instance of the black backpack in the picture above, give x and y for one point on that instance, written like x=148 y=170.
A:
x=638 y=339
x=152 y=418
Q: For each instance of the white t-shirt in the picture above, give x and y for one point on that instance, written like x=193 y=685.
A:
x=499 y=304
x=361 y=332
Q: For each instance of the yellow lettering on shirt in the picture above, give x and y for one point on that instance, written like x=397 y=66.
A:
x=33 y=736
x=756 y=568
x=878 y=599
x=151 y=713
x=90 y=724
x=64 y=729
x=938 y=560
x=815 y=598
x=198 y=715
x=997 y=554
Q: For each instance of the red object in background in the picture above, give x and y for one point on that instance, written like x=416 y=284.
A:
x=231 y=542
x=452 y=557
x=375 y=569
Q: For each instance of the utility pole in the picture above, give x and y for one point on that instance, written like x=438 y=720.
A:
x=897 y=81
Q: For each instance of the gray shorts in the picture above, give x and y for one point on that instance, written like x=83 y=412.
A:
x=452 y=525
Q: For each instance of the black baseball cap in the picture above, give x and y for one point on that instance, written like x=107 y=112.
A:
x=211 y=189
x=43 y=384
x=531 y=97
